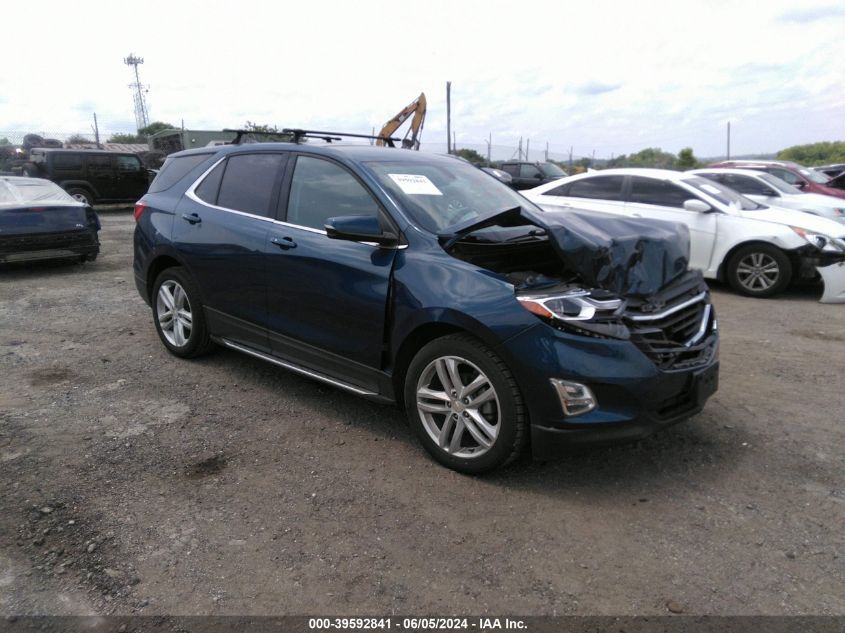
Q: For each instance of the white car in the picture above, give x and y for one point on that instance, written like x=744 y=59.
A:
x=755 y=248
x=772 y=191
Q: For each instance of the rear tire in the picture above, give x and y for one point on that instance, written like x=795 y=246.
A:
x=81 y=195
x=759 y=270
x=465 y=406
x=178 y=315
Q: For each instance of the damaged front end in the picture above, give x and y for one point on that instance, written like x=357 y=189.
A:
x=600 y=277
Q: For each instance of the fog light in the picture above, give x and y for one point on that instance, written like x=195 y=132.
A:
x=575 y=398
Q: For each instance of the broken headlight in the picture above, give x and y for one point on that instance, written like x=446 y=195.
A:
x=822 y=242
x=580 y=311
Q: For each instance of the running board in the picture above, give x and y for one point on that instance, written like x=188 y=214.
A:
x=299 y=370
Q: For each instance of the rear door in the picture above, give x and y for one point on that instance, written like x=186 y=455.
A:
x=130 y=177
x=221 y=229
x=750 y=187
x=664 y=200
x=327 y=299
x=100 y=172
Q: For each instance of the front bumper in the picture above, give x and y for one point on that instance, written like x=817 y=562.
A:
x=635 y=398
x=833 y=277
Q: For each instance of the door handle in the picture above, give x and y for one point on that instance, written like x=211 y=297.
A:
x=285 y=243
x=192 y=218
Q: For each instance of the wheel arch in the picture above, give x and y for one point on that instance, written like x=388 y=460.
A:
x=157 y=265
x=721 y=276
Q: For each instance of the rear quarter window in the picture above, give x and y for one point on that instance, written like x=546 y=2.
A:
x=174 y=169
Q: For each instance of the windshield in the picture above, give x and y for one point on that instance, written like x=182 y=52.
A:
x=814 y=175
x=723 y=194
x=779 y=184
x=550 y=170
x=441 y=194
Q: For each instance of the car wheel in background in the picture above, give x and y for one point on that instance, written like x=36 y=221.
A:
x=759 y=270
x=465 y=405
x=82 y=195
x=178 y=315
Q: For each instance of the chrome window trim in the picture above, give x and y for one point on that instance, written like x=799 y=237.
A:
x=191 y=193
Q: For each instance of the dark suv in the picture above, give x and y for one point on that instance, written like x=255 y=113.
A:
x=527 y=175
x=91 y=176
x=417 y=279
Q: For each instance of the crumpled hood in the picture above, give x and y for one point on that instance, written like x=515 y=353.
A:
x=626 y=256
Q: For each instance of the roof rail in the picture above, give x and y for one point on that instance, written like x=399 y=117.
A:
x=298 y=135
x=284 y=135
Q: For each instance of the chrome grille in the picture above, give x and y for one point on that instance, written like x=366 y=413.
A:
x=676 y=337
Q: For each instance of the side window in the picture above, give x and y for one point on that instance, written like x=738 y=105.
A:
x=746 y=185
x=658 y=192
x=563 y=190
x=99 y=164
x=67 y=161
x=529 y=171
x=788 y=176
x=174 y=169
x=320 y=190
x=597 y=188
x=511 y=168
x=210 y=185
x=248 y=182
x=128 y=164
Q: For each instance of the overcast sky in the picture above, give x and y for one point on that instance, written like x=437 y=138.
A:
x=613 y=77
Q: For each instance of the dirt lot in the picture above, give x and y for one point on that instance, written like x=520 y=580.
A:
x=134 y=482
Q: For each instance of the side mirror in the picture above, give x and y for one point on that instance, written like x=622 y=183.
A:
x=800 y=184
x=539 y=176
x=699 y=206
x=360 y=228
x=771 y=193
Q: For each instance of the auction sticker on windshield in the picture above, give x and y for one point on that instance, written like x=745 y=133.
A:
x=415 y=185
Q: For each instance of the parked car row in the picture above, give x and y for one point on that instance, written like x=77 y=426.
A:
x=758 y=249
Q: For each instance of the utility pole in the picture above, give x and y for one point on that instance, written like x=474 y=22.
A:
x=527 y=148
x=454 y=144
x=729 y=141
x=520 y=148
x=97 y=132
x=570 y=159
x=489 y=146
x=547 y=152
x=448 y=117
x=142 y=119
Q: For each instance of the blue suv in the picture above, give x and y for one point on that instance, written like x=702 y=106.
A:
x=420 y=280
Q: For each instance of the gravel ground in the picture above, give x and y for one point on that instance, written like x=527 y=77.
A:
x=135 y=482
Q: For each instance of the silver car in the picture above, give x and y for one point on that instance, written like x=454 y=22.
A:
x=772 y=191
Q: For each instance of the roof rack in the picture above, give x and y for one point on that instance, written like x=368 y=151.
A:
x=298 y=135
x=240 y=134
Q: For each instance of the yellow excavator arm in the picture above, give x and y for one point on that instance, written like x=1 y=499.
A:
x=412 y=136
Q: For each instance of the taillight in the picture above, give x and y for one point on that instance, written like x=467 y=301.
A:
x=139 y=209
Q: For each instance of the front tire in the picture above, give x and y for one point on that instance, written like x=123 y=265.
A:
x=178 y=314
x=465 y=406
x=759 y=270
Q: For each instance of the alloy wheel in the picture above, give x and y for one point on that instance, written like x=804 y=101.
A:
x=458 y=406
x=173 y=311
x=757 y=271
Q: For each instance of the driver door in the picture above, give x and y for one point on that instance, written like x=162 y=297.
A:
x=326 y=298
x=664 y=200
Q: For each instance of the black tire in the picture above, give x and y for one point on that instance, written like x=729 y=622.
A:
x=83 y=195
x=198 y=341
x=759 y=257
x=512 y=424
